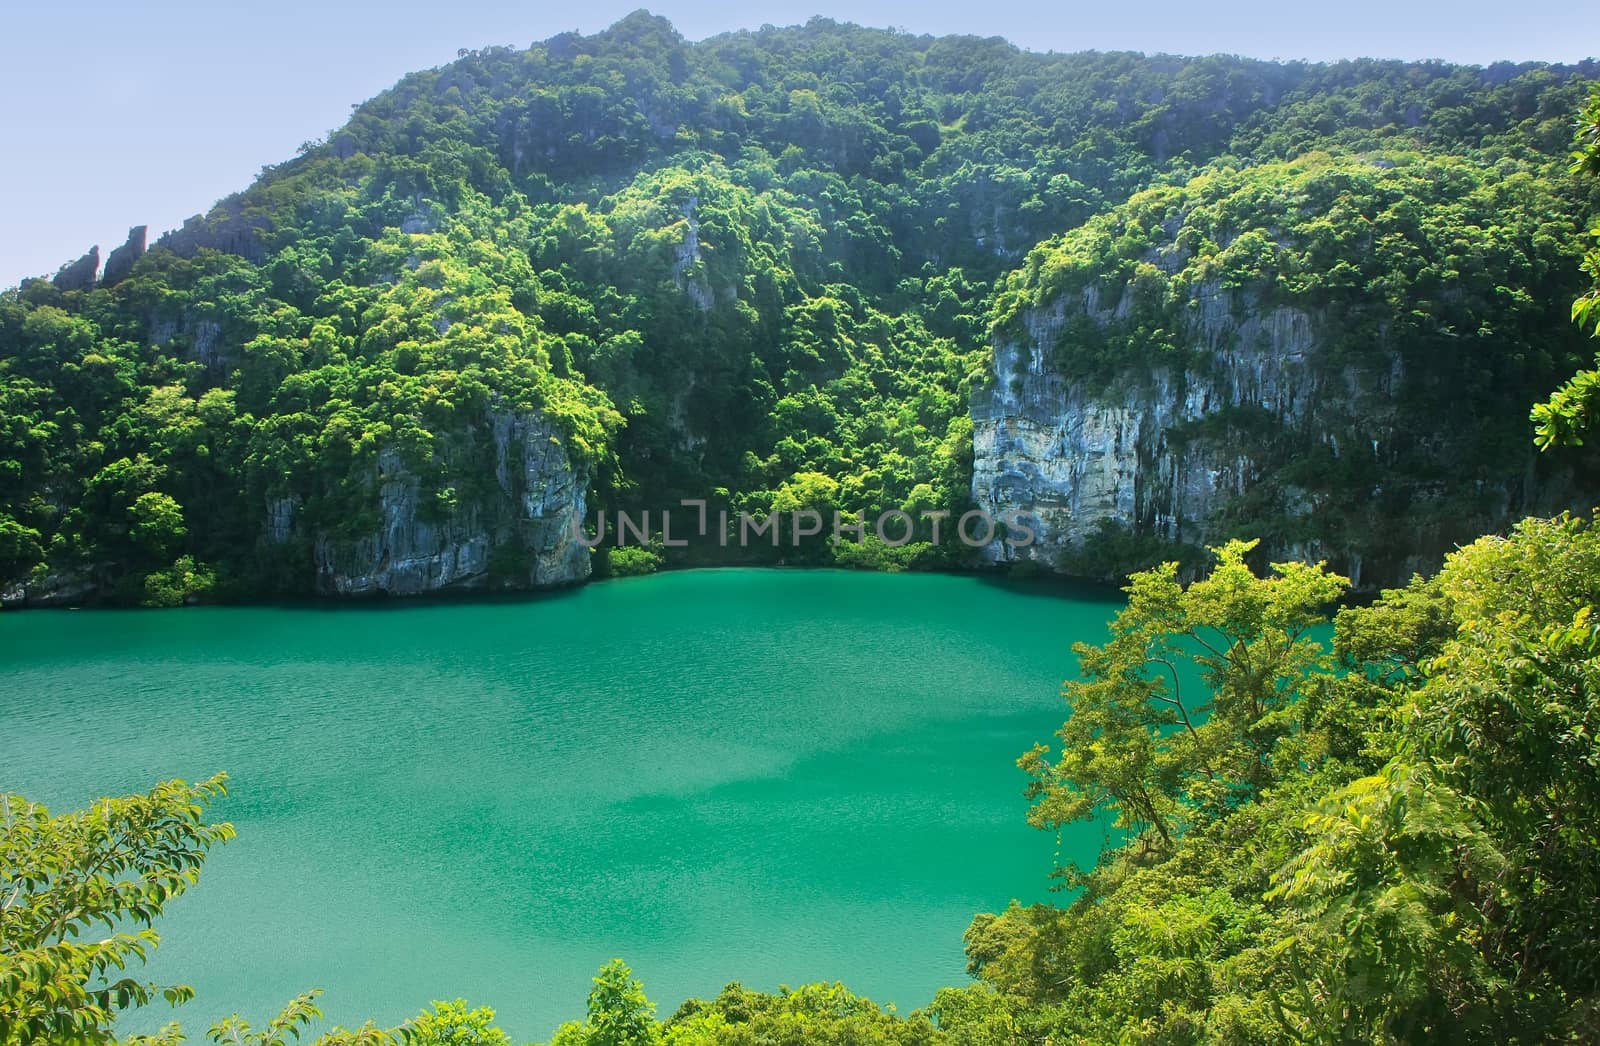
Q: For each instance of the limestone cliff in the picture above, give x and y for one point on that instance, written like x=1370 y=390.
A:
x=1258 y=428
x=79 y=275
x=65 y=588
x=230 y=226
x=121 y=261
x=1335 y=355
x=499 y=516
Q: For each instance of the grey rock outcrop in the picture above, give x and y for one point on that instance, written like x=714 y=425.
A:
x=62 y=588
x=519 y=531
x=281 y=513
x=120 y=263
x=196 y=336
x=79 y=275
x=227 y=228
x=687 y=263
x=1186 y=453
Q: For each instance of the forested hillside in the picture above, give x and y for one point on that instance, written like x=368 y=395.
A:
x=836 y=267
x=790 y=269
x=1275 y=352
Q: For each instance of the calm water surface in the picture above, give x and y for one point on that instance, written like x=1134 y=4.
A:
x=768 y=776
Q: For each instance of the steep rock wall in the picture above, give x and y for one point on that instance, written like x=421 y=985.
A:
x=514 y=532
x=1257 y=430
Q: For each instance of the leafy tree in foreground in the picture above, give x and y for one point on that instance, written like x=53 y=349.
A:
x=1156 y=751
x=1421 y=866
x=620 y=1014
x=72 y=885
x=1573 y=408
x=456 y=1024
x=447 y=1024
x=821 y=1014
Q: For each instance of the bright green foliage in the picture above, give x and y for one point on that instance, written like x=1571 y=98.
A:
x=974 y=1015
x=1571 y=410
x=731 y=265
x=1418 y=866
x=823 y=1014
x=620 y=1014
x=447 y=1024
x=1156 y=755
x=279 y=1031
x=455 y=1024
x=73 y=889
x=1511 y=714
x=1456 y=884
x=631 y=561
x=20 y=547
x=301 y=1012
x=872 y=553
x=156 y=522
x=1387 y=936
x=812 y=1015
x=173 y=587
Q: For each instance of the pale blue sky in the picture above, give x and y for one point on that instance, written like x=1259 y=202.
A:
x=116 y=114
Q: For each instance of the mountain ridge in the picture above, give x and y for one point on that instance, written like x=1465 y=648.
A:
x=771 y=264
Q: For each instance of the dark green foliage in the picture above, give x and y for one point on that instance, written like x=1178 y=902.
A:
x=721 y=267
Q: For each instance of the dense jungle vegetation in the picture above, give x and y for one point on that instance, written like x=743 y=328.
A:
x=1386 y=837
x=764 y=270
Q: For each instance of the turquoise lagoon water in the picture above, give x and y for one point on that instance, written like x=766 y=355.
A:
x=768 y=776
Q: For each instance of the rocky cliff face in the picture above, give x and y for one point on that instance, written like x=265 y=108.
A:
x=1258 y=431
x=79 y=275
x=227 y=227
x=55 y=589
x=122 y=259
x=512 y=529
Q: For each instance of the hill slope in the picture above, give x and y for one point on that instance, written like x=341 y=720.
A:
x=770 y=270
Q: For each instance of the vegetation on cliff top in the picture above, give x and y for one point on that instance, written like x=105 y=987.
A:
x=1369 y=296
x=727 y=267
